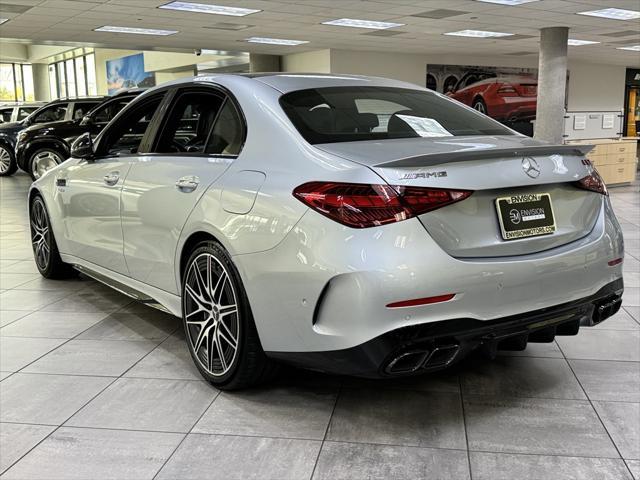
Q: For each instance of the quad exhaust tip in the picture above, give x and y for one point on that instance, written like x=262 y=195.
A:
x=422 y=359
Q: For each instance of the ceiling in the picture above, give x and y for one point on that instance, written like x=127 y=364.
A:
x=72 y=22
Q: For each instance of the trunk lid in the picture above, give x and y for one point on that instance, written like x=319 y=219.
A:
x=493 y=167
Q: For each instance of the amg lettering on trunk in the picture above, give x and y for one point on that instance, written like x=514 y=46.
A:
x=413 y=176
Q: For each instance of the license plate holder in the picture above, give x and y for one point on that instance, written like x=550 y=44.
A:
x=525 y=215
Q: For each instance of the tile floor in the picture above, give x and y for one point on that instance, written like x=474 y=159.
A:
x=95 y=386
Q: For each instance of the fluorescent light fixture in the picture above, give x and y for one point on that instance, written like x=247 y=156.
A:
x=206 y=8
x=355 y=23
x=613 y=13
x=577 y=43
x=2 y=20
x=275 y=41
x=478 y=34
x=508 y=2
x=134 y=31
x=633 y=48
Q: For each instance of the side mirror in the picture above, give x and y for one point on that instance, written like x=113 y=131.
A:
x=82 y=147
x=86 y=121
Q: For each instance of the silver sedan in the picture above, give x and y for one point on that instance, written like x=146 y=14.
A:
x=347 y=224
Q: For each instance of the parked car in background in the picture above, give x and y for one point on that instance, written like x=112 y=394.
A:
x=42 y=147
x=15 y=112
x=354 y=225
x=61 y=109
x=503 y=98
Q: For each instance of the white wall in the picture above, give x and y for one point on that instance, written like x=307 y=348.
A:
x=591 y=86
x=596 y=87
x=318 y=61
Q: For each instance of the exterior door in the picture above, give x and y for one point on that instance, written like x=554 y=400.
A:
x=162 y=188
x=92 y=192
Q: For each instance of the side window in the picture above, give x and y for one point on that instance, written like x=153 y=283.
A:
x=228 y=132
x=52 y=114
x=5 y=114
x=24 y=112
x=80 y=109
x=189 y=123
x=125 y=136
x=105 y=113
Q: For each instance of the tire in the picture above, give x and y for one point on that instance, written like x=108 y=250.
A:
x=41 y=159
x=8 y=165
x=45 y=249
x=211 y=287
x=480 y=105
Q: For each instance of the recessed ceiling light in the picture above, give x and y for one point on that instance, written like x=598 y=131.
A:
x=632 y=48
x=576 y=43
x=508 y=2
x=275 y=41
x=135 y=31
x=478 y=34
x=355 y=23
x=206 y=8
x=2 y=20
x=613 y=13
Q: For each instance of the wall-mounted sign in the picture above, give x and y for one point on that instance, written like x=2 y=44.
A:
x=608 y=121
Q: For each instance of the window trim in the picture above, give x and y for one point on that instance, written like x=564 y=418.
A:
x=226 y=96
x=149 y=134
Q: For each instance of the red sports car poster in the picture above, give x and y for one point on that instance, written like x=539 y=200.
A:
x=505 y=94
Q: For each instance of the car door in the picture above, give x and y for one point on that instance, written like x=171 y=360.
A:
x=163 y=187
x=92 y=189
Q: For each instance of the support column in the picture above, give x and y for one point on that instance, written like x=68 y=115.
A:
x=552 y=83
x=264 y=63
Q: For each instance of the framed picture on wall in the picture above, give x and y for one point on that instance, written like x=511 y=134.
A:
x=128 y=72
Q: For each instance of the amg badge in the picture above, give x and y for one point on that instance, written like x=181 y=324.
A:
x=413 y=176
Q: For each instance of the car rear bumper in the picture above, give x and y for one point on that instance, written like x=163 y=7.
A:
x=433 y=346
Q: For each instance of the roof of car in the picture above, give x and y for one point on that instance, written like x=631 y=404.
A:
x=287 y=82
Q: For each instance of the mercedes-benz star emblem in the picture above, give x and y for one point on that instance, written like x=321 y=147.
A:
x=530 y=167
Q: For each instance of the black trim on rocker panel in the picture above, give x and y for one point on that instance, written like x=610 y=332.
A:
x=433 y=346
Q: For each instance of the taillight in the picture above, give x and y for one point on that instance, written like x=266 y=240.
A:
x=593 y=183
x=363 y=205
x=507 y=90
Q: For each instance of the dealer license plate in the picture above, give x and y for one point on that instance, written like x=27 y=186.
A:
x=526 y=215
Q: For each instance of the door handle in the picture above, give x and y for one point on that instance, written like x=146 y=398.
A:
x=111 y=178
x=188 y=184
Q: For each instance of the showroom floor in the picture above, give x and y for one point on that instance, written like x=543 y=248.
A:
x=96 y=386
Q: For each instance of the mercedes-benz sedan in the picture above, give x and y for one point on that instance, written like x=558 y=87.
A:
x=347 y=224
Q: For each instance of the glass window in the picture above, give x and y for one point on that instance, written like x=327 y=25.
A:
x=7 y=85
x=62 y=82
x=5 y=114
x=17 y=72
x=103 y=115
x=81 y=78
x=125 y=136
x=71 y=78
x=53 y=81
x=346 y=114
x=51 y=114
x=92 y=86
x=80 y=109
x=228 y=132
x=27 y=83
x=189 y=124
x=24 y=112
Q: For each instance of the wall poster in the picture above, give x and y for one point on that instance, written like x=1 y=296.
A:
x=128 y=72
x=506 y=94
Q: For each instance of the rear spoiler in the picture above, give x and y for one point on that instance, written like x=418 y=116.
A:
x=465 y=155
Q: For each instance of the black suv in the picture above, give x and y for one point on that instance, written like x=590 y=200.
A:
x=61 y=109
x=42 y=147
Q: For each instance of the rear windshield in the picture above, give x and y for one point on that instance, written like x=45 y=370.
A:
x=347 y=114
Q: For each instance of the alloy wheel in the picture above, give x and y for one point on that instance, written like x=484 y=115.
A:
x=40 y=235
x=479 y=106
x=44 y=161
x=211 y=315
x=5 y=160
